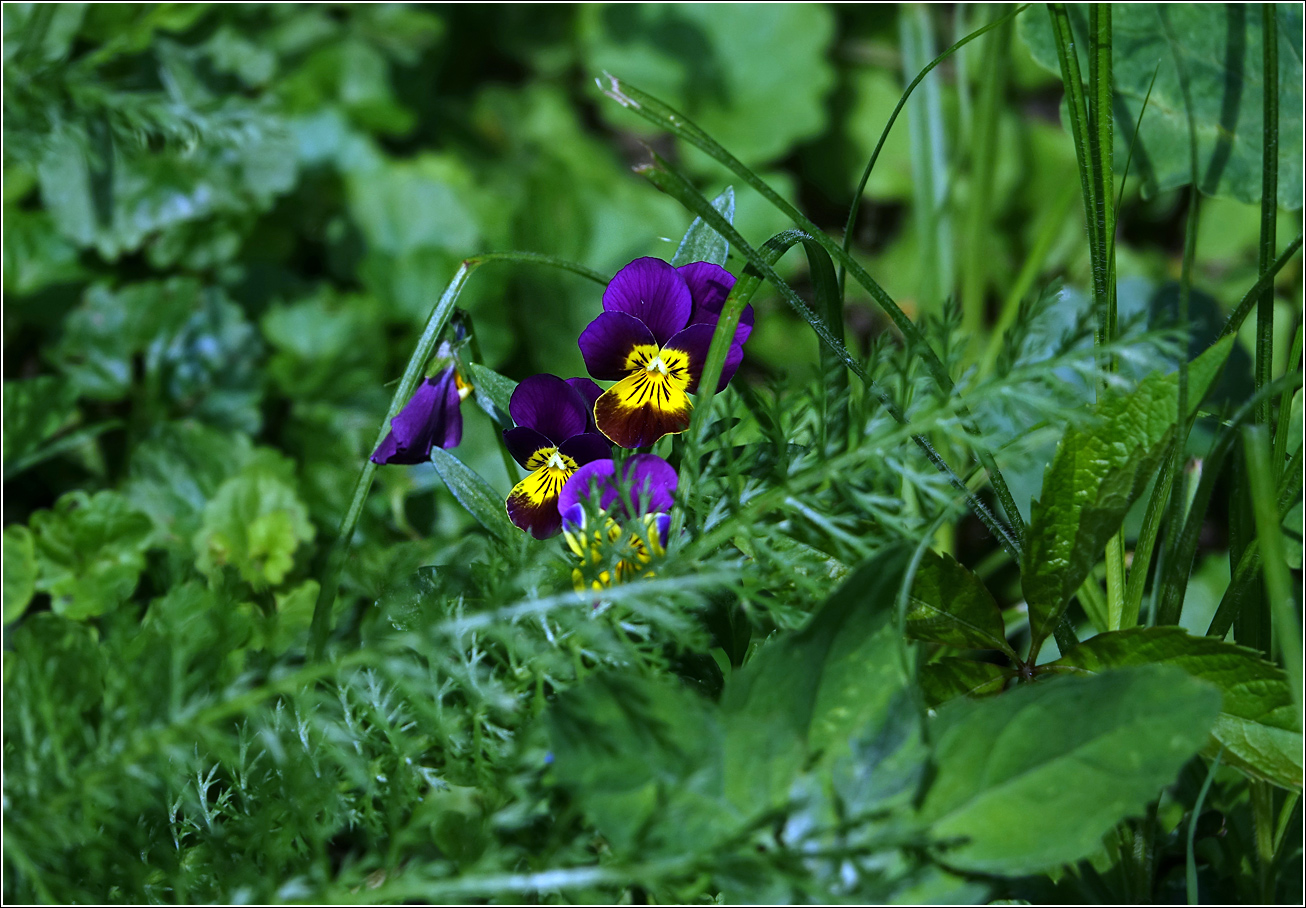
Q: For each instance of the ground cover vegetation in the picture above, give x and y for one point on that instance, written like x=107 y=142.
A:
x=652 y=453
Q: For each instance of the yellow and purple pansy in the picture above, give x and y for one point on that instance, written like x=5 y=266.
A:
x=652 y=340
x=554 y=437
x=647 y=482
x=431 y=419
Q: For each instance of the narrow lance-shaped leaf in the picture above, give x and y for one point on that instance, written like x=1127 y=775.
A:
x=474 y=494
x=492 y=392
x=701 y=242
x=1257 y=726
x=1094 y=477
x=1034 y=778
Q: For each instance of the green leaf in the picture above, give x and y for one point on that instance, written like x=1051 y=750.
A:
x=950 y=678
x=90 y=551
x=1221 y=48
x=701 y=242
x=19 y=571
x=814 y=689
x=1257 y=727
x=493 y=393
x=290 y=620
x=950 y=605
x=35 y=409
x=642 y=758
x=1034 y=778
x=1094 y=477
x=717 y=62
x=255 y=522
x=474 y=494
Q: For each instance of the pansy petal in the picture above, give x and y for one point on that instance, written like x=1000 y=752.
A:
x=734 y=357
x=586 y=447
x=589 y=392
x=653 y=292
x=651 y=481
x=594 y=477
x=533 y=503
x=430 y=418
x=709 y=285
x=640 y=409
x=662 y=523
x=550 y=406
x=693 y=343
x=522 y=442
x=608 y=342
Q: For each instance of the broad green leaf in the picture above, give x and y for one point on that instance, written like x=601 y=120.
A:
x=326 y=347
x=1221 y=49
x=1034 y=778
x=19 y=571
x=642 y=758
x=474 y=494
x=719 y=64
x=814 y=689
x=950 y=678
x=1258 y=727
x=886 y=761
x=951 y=605
x=493 y=393
x=1094 y=477
x=35 y=409
x=90 y=551
x=255 y=523
x=289 y=621
x=702 y=243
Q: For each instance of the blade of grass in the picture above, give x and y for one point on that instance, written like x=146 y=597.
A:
x=1249 y=563
x=1156 y=508
x=660 y=114
x=1266 y=280
x=1269 y=205
x=1190 y=872
x=1278 y=584
x=1285 y=401
x=1180 y=565
x=678 y=187
x=329 y=576
x=875 y=154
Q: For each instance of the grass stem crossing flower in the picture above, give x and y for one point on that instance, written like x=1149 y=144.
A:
x=432 y=418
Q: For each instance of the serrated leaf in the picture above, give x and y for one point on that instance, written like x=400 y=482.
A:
x=1221 y=49
x=474 y=494
x=90 y=551
x=701 y=243
x=1258 y=727
x=1034 y=778
x=950 y=605
x=951 y=678
x=813 y=690
x=19 y=571
x=493 y=392
x=1094 y=477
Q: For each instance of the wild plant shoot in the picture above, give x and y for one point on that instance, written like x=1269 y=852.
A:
x=653 y=453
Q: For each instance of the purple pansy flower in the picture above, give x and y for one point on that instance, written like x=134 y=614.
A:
x=554 y=436
x=649 y=481
x=652 y=340
x=430 y=419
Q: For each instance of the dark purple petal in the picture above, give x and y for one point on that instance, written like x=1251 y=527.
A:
x=650 y=480
x=734 y=357
x=590 y=392
x=586 y=447
x=522 y=442
x=431 y=418
x=693 y=342
x=653 y=292
x=550 y=406
x=663 y=524
x=709 y=285
x=607 y=343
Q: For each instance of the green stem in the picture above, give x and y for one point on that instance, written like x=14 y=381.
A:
x=1252 y=297
x=1191 y=867
x=1269 y=205
x=1285 y=402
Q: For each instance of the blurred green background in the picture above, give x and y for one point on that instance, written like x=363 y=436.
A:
x=242 y=214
